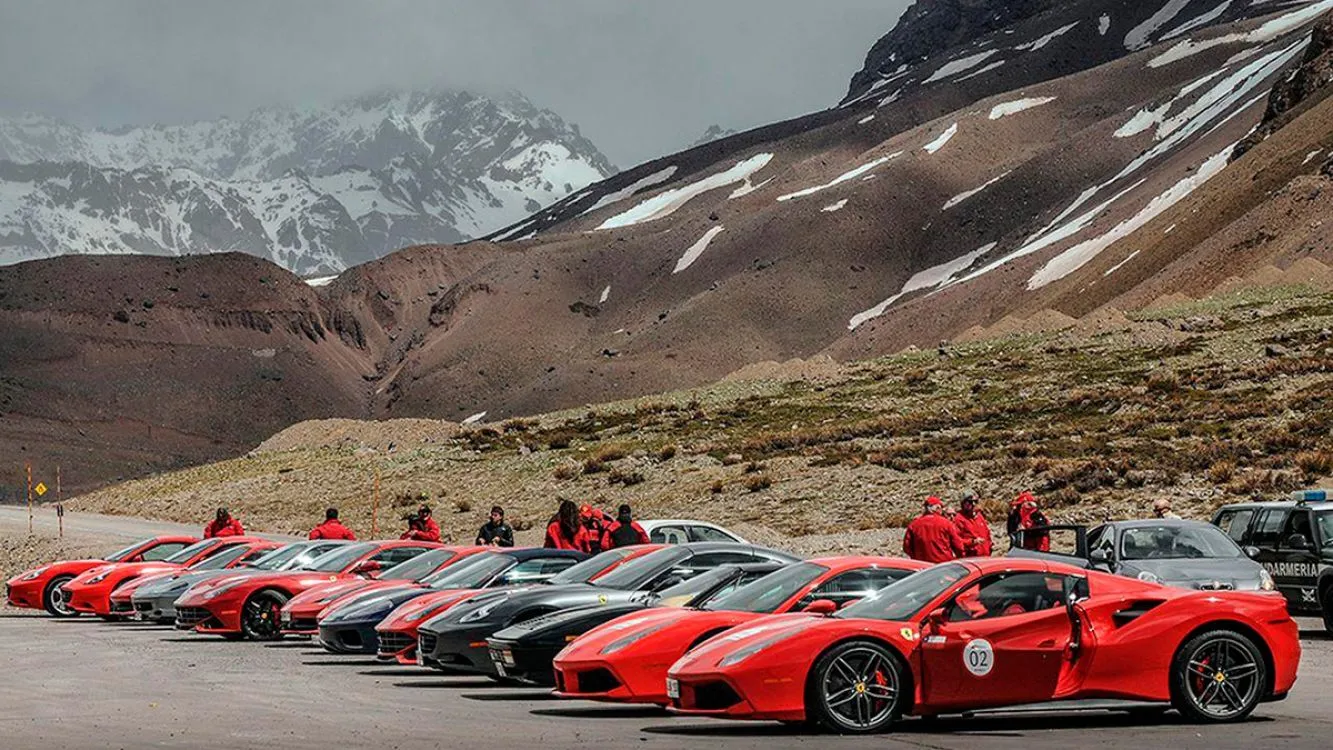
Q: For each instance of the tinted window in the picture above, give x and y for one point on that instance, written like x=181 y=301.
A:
x=297 y=556
x=714 y=559
x=1298 y=522
x=768 y=593
x=1235 y=523
x=1267 y=527
x=1172 y=542
x=668 y=535
x=394 y=555
x=418 y=567
x=856 y=584
x=184 y=555
x=710 y=534
x=1324 y=522
x=904 y=600
x=633 y=575
x=535 y=570
x=593 y=566
x=335 y=561
x=472 y=573
x=1102 y=538
x=222 y=559
x=1008 y=594
x=162 y=551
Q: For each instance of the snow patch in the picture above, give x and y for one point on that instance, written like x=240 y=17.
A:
x=943 y=139
x=865 y=119
x=475 y=418
x=1042 y=41
x=1103 y=24
x=657 y=178
x=668 y=202
x=987 y=69
x=1196 y=22
x=1020 y=105
x=1266 y=33
x=964 y=196
x=1139 y=37
x=840 y=205
x=697 y=249
x=1120 y=265
x=1311 y=156
x=747 y=188
x=606 y=295
x=961 y=65
x=1144 y=119
x=1079 y=255
x=933 y=277
x=845 y=177
x=320 y=280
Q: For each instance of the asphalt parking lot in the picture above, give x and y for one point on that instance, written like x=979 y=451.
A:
x=87 y=684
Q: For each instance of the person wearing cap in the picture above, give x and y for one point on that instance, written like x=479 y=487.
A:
x=1161 y=508
x=972 y=527
x=425 y=530
x=594 y=525
x=624 y=531
x=223 y=525
x=931 y=537
x=332 y=528
x=1024 y=515
x=495 y=532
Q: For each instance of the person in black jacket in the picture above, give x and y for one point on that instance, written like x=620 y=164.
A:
x=495 y=532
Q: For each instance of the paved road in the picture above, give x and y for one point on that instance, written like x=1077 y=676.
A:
x=86 y=684
x=115 y=528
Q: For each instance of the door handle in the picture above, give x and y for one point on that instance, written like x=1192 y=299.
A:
x=1048 y=643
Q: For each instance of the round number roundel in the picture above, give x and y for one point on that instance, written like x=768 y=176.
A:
x=979 y=657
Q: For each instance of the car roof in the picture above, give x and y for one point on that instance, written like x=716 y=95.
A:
x=1139 y=523
x=653 y=522
x=527 y=553
x=848 y=562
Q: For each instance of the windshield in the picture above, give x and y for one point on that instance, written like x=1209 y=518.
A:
x=184 y=555
x=472 y=573
x=691 y=592
x=121 y=554
x=418 y=567
x=222 y=559
x=634 y=574
x=1175 y=542
x=588 y=569
x=766 y=594
x=339 y=559
x=1324 y=519
x=904 y=599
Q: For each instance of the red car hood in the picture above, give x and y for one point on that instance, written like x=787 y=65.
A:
x=328 y=592
x=298 y=580
x=772 y=629
x=411 y=614
x=664 y=623
x=60 y=567
x=130 y=586
x=140 y=568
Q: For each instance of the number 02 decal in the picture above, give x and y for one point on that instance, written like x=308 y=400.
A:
x=979 y=657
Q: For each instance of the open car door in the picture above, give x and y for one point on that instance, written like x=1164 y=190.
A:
x=1068 y=544
x=1007 y=639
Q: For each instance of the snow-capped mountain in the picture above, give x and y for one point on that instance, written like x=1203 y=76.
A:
x=313 y=190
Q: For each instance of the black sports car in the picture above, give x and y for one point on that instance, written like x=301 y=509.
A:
x=456 y=640
x=525 y=651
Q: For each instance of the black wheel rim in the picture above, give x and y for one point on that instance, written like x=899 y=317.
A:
x=860 y=688
x=261 y=617
x=1222 y=678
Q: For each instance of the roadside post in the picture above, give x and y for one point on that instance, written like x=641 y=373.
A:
x=60 y=518
x=375 y=506
x=28 y=468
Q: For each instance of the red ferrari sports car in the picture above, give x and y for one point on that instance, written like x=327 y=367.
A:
x=989 y=633
x=626 y=659
x=300 y=616
x=397 y=634
x=39 y=588
x=232 y=557
x=91 y=590
x=249 y=607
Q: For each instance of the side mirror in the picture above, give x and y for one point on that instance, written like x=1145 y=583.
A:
x=934 y=621
x=1250 y=551
x=136 y=558
x=366 y=568
x=1298 y=541
x=821 y=607
x=1099 y=557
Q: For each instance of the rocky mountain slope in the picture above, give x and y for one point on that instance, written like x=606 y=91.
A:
x=316 y=191
x=1032 y=162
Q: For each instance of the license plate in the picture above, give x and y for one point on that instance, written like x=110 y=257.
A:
x=421 y=658
x=286 y=618
x=673 y=688
x=507 y=657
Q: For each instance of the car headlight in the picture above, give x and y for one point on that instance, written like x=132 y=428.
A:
x=740 y=655
x=424 y=612
x=33 y=575
x=1266 y=581
x=214 y=593
x=621 y=643
x=98 y=578
x=482 y=612
x=1149 y=577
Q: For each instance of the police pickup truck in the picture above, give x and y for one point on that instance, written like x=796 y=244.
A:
x=1293 y=540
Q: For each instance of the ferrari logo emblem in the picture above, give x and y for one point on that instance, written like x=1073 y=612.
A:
x=908 y=634
x=40 y=489
x=860 y=687
x=1220 y=677
x=601 y=599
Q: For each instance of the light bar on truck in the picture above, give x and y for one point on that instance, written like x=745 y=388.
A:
x=1310 y=496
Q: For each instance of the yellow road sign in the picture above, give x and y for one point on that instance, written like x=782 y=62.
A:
x=40 y=489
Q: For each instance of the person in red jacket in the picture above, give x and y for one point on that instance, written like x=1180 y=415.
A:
x=624 y=531
x=931 y=537
x=332 y=528
x=567 y=530
x=972 y=527
x=223 y=525
x=424 y=529
x=1024 y=515
x=594 y=525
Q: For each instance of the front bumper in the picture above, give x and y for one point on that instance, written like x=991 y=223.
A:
x=527 y=662
x=350 y=637
x=299 y=623
x=600 y=681
x=89 y=601
x=156 y=608
x=397 y=645
x=26 y=594
x=217 y=617
x=457 y=649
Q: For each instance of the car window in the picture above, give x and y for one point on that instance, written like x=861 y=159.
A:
x=856 y=584
x=1267 y=527
x=1298 y=522
x=668 y=535
x=714 y=559
x=222 y=559
x=1010 y=594
x=904 y=600
x=1324 y=520
x=1101 y=538
x=709 y=534
x=163 y=551
x=557 y=564
x=530 y=571
x=1176 y=542
x=394 y=555
x=1235 y=523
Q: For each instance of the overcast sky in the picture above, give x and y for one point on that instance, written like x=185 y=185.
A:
x=641 y=78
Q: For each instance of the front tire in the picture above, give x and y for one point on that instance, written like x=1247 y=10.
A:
x=53 y=599
x=259 y=616
x=857 y=688
x=1326 y=605
x=1218 y=677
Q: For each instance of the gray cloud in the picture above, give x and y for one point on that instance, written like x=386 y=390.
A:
x=641 y=78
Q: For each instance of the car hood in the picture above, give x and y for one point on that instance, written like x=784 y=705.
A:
x=415 y=612
x=500 y=609
x=124 y=569
x=370 y=605
x=557 y=625
x=682 y=626
x=1238 y=572
x=167 y=583
x=329 y=592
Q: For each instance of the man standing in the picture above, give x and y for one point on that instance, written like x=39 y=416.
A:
x=624 y=531
x=931 y=537
x=223 y=525
x=972 y=527
x=332 y=528
x=1161 y=508
x=425 y=529
x=594 y=525
x=496 y=533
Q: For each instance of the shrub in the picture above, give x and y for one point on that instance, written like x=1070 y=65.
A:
x=666 y=453
x=758 y=482
x=559 y=440
x=593 y=466
x=1317 y=463
x=626 y=478
x=1163 y=381
x=716 y=487
x=1221 y=472
x=610 y=453
x=754 y=467
x=565 y=472
x=462 y=506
